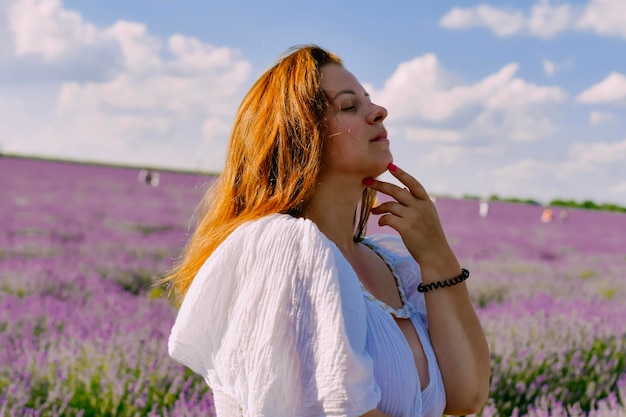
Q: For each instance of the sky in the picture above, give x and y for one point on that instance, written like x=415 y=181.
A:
x=522 y=99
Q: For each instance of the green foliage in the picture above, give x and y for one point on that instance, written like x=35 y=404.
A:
x=586 y=274
x=29 y=251
x=608 y=293
x=494 y=197
x=489 y=295
x=579 y=378
x=89 y=394
x=588 y=204
x=471 y=197
x=135 y=281
x=148 y=229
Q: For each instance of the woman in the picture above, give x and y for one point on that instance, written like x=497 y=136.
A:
x=288 y=309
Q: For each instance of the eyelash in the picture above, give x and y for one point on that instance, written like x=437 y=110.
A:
x=348 y=108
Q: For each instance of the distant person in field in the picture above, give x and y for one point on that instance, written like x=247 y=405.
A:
x=546 y=215
x=564 y=215
x=288 y=307
x=149 y=177
x=483 y=208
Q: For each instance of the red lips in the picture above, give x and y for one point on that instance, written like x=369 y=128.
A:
x=382 y=136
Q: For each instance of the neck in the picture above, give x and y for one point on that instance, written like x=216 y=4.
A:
x=333 y=210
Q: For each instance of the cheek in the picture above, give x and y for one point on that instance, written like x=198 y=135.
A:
x=339 y=127
x=335 y=152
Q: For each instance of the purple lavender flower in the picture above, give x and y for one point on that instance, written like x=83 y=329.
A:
x=83 y=328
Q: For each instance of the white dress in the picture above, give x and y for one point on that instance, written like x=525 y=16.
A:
x=278 y=324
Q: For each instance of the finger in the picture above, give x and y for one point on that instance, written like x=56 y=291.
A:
x=401 y=195
x=392 y=221
x=414 y=186
x=392 y=207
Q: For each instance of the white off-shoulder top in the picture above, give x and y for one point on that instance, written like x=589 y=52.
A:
x=278 y=324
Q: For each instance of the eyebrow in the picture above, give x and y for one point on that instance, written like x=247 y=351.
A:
x=343 y=92
x=348 y=92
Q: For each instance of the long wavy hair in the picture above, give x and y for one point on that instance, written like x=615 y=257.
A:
x=273 y=159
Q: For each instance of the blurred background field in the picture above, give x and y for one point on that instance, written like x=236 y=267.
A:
x=83 y=328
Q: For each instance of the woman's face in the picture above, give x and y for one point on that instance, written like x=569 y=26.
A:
x=356 y=143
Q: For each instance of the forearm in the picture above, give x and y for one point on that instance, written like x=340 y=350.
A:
x=458 y=340
x=455 y=332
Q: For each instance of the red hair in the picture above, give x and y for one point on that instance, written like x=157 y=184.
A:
x=273 y=160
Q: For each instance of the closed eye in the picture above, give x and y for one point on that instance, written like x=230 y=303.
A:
x=350 y=108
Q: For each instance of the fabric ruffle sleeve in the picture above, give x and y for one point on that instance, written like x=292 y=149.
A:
x=274 y=320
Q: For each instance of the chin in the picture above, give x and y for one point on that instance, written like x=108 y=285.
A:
x=380 y=168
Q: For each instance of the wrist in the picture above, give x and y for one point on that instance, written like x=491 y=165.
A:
x=426 y=287
x=440 y=268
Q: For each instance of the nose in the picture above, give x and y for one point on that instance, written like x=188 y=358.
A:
x=378 y=114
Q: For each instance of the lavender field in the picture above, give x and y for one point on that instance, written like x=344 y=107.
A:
x=83 y=328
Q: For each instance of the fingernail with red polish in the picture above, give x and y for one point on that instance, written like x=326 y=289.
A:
x=392 y=167
x=368 y=181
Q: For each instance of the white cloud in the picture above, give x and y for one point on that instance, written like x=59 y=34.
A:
x=196 y=57
x=515 y=92
x=610 y=90
x=422 y=87
x=598 y=117
x=139 y=49
x=502 y=22
x=587 y=171
x=618 y=189
x=44 y=28
x=542 y=179
x=509 y=125
x=480 y=137
x=499 y=107
x=421 y=134
x=592 y=155
x=544 y=20
x=215 y=132
x=549 y=67
x=604 y=17
x=148 y=102
x=456 y=135
x=518 y=111
x=123 y=94
x=172 y=104
x=6 y=40
x=523 y=171
x=181 y=87
x=41 y=42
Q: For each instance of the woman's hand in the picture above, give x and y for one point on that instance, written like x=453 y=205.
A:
x=455 y=332
x=414 y=216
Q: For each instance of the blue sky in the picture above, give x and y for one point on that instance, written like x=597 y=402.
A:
x=521 y=98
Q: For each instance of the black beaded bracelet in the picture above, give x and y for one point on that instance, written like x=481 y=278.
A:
x=442 y=284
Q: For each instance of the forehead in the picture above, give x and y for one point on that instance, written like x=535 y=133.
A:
x=336 y=78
